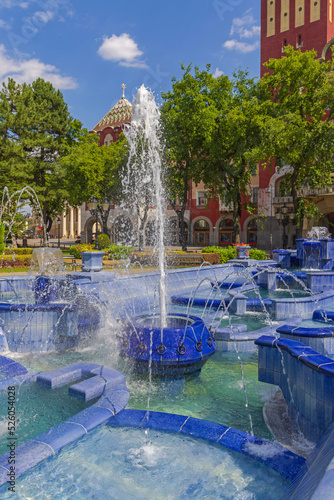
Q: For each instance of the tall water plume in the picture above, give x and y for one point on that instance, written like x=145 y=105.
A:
x=142 y=182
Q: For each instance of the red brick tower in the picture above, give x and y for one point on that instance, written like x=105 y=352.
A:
x=305 y=24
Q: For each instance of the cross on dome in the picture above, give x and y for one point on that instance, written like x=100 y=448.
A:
x=123 y=87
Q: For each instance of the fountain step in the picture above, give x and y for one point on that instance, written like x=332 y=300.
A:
x=96 y=386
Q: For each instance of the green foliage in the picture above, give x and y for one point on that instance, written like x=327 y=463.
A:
x=212 y=127
x=92 y=170
x=256 y=254
x=231 y=253
x=188 y=118
x=2 y=238
x=297 y=103
x=103 y=241
x=83 y=247
x=118 y=252
x=225 y=253
x=17 y=251
x=36 y=130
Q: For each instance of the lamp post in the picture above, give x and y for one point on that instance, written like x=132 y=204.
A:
x=58 y=224
x=285 y=216
x=95 y=207
x=270 y=191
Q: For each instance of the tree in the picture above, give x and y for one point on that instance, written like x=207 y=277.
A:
x=188 y=115
x=297 y=102
x=91 y=170
x=15 y=101
x=228 y=161
x=36 y=131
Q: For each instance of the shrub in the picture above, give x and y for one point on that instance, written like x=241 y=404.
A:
x=213 y=258
x=15 y=261
x=103 y=241
x=17 y=251
x=144 y=258
x=118 y=252
x=256 y=254
x=225 y=253
x=84 y=247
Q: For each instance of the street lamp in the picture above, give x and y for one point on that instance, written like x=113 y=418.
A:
x=58 y=223
x=285 y=216
x=95 y=207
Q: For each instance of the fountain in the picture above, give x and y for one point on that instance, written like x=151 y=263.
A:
x=169 y=345
x=66 y=311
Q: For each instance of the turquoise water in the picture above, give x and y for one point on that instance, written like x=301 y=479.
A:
x=280 y=293
x=128 y=464
x=253 y=320
x=216 y=394
x=37 y=408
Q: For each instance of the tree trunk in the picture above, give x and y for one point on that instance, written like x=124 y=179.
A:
x=182 y=226
x=141 y=237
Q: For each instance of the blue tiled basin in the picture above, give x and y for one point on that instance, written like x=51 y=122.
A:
x=184 y=347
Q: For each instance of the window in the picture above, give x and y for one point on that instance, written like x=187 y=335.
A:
x=226 y=232
x=254 y=194
x=201 y=233
x=201 y=199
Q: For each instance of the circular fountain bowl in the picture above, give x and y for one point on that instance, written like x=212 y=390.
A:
x=183 y=348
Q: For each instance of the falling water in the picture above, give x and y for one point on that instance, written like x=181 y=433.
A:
x=143 y=179
x=10 y=205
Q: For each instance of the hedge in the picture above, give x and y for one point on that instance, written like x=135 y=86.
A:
x=18 y=251
x=231 y=253
x=17 y=261
x=147 y=258
x=118 y=252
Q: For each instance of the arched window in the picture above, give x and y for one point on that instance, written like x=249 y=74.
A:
x=226 y=232
x=201 y=233
x=108 y=140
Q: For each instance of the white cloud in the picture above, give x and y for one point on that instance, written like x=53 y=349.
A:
x=217 y=73
x=122 y=49
x=4 y=25
x=9 y=4
x=245 y=26
x=28 y=70
x=43 y=16
x=241 y=46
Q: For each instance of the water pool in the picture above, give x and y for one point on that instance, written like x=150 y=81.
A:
x=253 y=320
x=132 y=464
x=216 y=394
x=37 y=408
x=279 y=293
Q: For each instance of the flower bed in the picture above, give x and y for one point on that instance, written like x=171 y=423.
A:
x=15 y=261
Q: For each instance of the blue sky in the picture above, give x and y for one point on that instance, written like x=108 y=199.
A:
x=88 y=49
